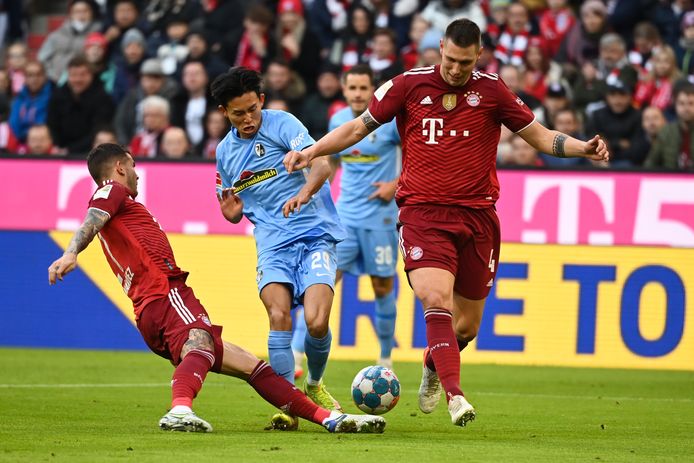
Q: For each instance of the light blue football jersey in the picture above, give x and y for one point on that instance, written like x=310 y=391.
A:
x=254 y=168
x=373 y=159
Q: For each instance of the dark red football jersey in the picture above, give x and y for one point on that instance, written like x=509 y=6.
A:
x=449 y=134
x=135 y=246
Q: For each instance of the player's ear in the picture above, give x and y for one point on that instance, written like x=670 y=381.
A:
x=222 y=110
x=261 y=98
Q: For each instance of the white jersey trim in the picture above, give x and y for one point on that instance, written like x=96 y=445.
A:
x=372 y=117
x=418 y=71
x=101 y=210
x=531 y=123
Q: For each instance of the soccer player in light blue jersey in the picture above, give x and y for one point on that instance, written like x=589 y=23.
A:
x=366 y=206
x=296 y=224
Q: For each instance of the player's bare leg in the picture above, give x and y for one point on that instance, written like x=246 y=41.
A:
x=434 y=288
x=197 y=357
x=317 y=304
x=384 y=317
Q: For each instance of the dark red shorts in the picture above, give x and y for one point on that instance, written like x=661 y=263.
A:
x=462 y=240
x=165 y=323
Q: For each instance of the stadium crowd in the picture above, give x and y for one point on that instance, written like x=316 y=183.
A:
x=138 y=73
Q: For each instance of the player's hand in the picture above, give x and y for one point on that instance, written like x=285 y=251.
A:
x=61 y=267
x=231 y=205
x=385 y=191
x=295 y=203
x=596 y=150
x=295 y=160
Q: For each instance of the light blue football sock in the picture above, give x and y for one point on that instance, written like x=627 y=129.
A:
x=317 y=351
x=279 y=347
x=385 y=323
x=299 y=335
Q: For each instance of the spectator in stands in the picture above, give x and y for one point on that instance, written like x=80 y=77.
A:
x=646 y=41
x=155 y=113
x=429 y=48
x=221 y=18
x=298 y=45
x=104 y=134
x=582 y=43
x=566 y=121
x=158 y=13
x=316 y=107
x=657 y=87
x=30 y=106
x=613 y=62
x=276 y=104
x=175 y=143
x=540 y=71
x=522 y=154
x=170 y=47
x=216 y=128
x=556 y=99
x=652 y=120
x=126 y=15
x=384 y=61
x=281 y=82
x=514 y=38
x=68 y=40
x=685 y=45
x=192 y=102
x=199 y=50
x=253 y=46
x=514 y=77
x=95 y=50
x=8 y=142
x=555 y=23
x=39 y=142
x=496 y=20
x=78 y=107
x=674 y=145
x=128 y=65
x=129 y=118
x=353 y=46
x=619 y=124
x=16 y=60
x=440 y=13
x=409 y=55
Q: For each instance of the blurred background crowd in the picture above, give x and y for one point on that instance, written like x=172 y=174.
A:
x=138 y=72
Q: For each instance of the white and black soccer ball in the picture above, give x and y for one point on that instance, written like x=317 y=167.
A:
x=375 y=390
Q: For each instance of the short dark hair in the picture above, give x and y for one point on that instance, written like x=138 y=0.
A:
x=361 y=70
x=235 y=82
x=463 y=33
x=100 y=158
x=78 y=60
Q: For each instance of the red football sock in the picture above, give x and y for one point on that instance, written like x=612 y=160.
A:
x=444 y=349
x=429 y=361
x=283 y=395
x=189 y=376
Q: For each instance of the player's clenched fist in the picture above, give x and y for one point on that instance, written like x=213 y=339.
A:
x=231 y=205
x=295 y=160
x=596 y=149
x=61 y=267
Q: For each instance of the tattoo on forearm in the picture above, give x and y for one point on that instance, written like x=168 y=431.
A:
x=93 y=223
x=369 y=121
x=198 y=339
x=558 y=145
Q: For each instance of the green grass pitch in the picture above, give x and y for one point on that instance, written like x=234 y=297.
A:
x=86 y=406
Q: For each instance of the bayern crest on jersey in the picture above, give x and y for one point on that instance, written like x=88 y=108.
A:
x=473 y=99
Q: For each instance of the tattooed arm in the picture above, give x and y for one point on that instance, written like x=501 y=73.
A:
x=92 y=224
x=335 y=141
x=563 y=146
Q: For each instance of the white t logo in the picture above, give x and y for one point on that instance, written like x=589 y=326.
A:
x=434 y=129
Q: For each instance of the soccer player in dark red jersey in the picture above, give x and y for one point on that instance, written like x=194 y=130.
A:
x=170 y=318
x=449 y=117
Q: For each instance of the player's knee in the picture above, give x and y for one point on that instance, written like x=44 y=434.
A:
x=435 y=299
x=280 y=320
x=317 y=327
x=382 y=289
x=466 y=331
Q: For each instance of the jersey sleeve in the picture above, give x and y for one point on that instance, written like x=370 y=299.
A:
x=293 y=134
x=223 y=178
x=513 y=113
x=109 y=199
x=388 y=100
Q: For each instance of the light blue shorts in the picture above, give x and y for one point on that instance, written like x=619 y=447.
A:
x=301 y=264
x=370 y=252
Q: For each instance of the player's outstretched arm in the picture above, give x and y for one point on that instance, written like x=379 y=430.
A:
x=562 y=145
x=231 y=205
x=92 y=224
x=320 y=171
x=334 y=141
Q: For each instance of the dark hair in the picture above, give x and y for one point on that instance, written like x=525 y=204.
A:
x=359 y=69
x=463 y=33
x=235 y=82
x=78 y=60
x=100 y=158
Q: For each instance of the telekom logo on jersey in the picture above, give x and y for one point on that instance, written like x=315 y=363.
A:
x=432 y=127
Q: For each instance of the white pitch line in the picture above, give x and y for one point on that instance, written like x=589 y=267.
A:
x=583 y=397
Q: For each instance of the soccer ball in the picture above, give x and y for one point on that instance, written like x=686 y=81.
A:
x=375 y=390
